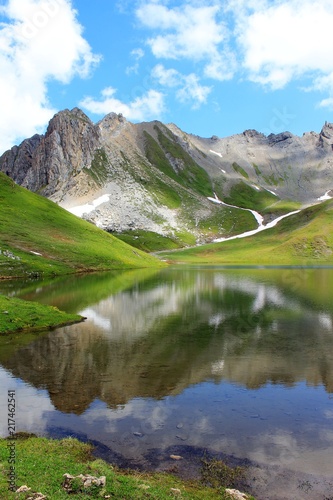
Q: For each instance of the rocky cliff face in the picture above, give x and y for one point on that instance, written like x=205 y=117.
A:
x=154 y=177
x=50 y=163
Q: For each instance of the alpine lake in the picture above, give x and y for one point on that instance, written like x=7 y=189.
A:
x=234 y=363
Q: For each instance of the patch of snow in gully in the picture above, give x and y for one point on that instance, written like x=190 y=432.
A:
x=89 y=207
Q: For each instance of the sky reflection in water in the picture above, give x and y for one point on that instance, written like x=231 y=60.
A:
x=235 y=361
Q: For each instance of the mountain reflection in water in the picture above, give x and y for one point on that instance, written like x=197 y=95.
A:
x=240 y=361
x=162 y=335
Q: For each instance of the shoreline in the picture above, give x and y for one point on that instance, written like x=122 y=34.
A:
x=279 y=481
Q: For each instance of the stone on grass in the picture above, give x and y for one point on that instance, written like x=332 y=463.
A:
x=23 y=489
x=32 y=496
x=236 y=495
x=86 y=481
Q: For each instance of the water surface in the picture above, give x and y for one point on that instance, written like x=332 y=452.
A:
x=237 y=362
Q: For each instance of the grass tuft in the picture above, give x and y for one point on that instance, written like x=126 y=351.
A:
x=217 y=473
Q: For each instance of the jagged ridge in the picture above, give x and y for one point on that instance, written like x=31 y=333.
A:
x=155 y=177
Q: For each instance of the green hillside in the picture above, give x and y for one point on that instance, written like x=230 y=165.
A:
x=305 y=238
x=21 y=315
x=38 y=237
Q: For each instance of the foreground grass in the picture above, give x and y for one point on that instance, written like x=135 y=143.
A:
x=305 y=238
x=40 y=464
x=20 y=315
x=37 y=237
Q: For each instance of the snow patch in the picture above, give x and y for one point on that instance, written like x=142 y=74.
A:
x=36 y=253
x=325 y=196
x=271 y=191
x=215 y=153
x=255 y=187
x=89 y=207
x=259 y=218
x=259 y=229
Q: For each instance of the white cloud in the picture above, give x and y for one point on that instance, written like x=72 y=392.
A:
x=192 y=32
x=166 y=77
x=284 y=41
x=40 y=41
x=190 y=89
x=150 y=105
x=137 y=54
x=221 y=66
x=193 y=91
x=269 y=42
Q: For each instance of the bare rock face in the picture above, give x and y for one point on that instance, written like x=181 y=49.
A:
x=152 y=174
x=50 y=163
x=327 y=132
x=281 y=139
x=18 y=161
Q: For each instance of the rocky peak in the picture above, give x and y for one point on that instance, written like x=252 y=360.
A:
x=76 y=159
x=49 y=163
x=67 y=120
x=327 y=131
x=112 y=124
x=252 y=133
x=278 y=139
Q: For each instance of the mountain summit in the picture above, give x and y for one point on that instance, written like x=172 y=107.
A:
x=154 y=177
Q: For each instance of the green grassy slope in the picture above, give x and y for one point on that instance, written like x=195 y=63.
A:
x=38 y=237
x=243 y=195
x=20 y=315
x=189 y=173
x=302 y=239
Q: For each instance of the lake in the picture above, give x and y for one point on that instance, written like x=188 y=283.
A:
x=236 y=363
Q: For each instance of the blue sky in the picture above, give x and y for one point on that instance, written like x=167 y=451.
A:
x=213 y=67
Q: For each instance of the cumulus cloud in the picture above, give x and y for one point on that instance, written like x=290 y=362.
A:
x=189 y=87
x=269 y=42
x=150 y=105
x=40 y=41
x=280 y=42
x=194 y=32
x=286 y=40
x=166 y=77
x=193 y=91
x=137 y=54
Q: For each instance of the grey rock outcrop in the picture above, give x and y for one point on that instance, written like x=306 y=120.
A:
x=50 y=163
x=152 y=174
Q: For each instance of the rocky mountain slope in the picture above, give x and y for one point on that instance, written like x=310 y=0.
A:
x=39 y=238
x=134 y=178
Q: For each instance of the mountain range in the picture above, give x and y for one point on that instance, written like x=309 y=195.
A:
x=151 y=182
